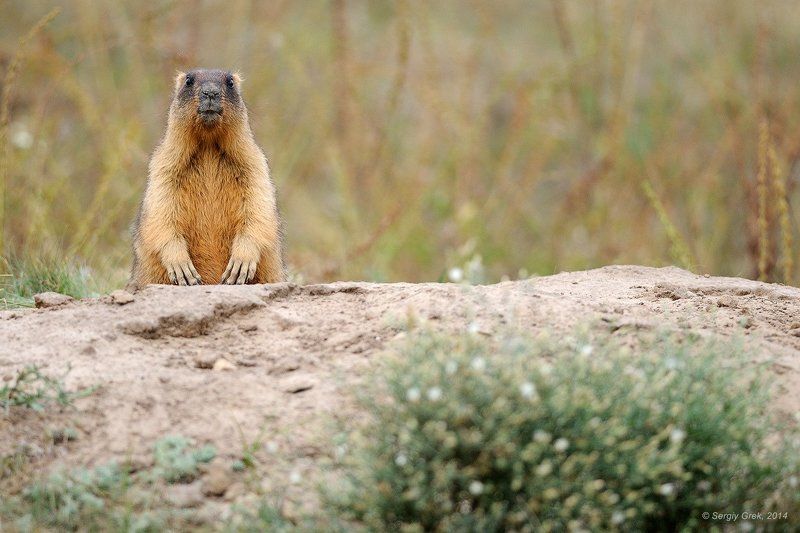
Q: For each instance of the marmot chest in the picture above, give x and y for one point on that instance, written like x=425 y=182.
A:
x=210 y=205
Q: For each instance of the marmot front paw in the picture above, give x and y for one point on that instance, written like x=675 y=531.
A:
x=183 y=273
x=239 y=272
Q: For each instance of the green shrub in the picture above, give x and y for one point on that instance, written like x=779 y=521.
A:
x=468 y=434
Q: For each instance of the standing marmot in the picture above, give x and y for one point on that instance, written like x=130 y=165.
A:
x=208 y=214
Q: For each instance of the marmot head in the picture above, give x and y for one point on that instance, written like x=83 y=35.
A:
x=208 y=98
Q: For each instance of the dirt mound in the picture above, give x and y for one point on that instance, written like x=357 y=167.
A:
x=275 y=364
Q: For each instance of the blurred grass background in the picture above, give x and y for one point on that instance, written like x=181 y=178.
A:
x=409 y=137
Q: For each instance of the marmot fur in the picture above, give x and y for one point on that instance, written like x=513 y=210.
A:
x=209 y=213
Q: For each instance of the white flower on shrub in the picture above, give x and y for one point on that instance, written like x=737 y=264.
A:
x=527 y=389
x=586 y=350
x=561 y=444
x=473 y=328
x=479 y=364
x=412 y=394
x=541 y=436
x=617 y=517
x=677 y=435
x=544 y=469
x=434 y=394
x=476 y=488
x=295 y=477
x=666 y=489
x=401 y=459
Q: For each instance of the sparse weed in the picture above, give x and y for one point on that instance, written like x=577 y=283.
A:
x=33 y=389
x=469 y=434
x=110 y=497
x=177 y=462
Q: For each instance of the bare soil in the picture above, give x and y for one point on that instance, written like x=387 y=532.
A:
x=277 y=364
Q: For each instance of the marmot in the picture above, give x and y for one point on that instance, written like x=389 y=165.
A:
x=209 y=212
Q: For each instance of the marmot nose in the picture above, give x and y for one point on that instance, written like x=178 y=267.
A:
x=210 y=90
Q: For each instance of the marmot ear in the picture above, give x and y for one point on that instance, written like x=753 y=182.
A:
x=179 y=78
x=237 y=79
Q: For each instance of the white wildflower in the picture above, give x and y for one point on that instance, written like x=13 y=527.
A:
x=401 y=460
x=476 y=488
x=561 y=444
x=295 y=477
x=541 y=436
x=544 y=469
x=666 y=489
x=412 y=394
x=455 y=274
x=617 y=517
x=272 y=446
x=479 y=364
x=473 y=328
x=527 y=389
x=434 y=393
x=586 y=350
x=677 y=435
x=22 y=139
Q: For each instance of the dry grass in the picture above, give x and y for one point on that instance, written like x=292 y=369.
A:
x=409 y=137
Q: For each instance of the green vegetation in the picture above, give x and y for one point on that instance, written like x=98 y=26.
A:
x=410 y=137
x=21 y=279
x=110 y=497
x=176 y=463
x=33 y=389
x=468 y=434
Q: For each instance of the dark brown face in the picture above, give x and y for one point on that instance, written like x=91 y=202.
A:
x=212 y=95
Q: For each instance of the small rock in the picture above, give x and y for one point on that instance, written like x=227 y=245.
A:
x=89 y=350
x=51 y=299
x=121 y=297
x=235 y=491
x=184 y=496
x=223 y=364
x=285 y=365
x=216 y=481
x=205 y=360
x=726 y=301
x=297 y=384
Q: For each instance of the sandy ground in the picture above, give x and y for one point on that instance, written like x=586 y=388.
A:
x=275 y=364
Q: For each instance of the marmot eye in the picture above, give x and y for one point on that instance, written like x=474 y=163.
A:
x=229 y=81
x=189 y=80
